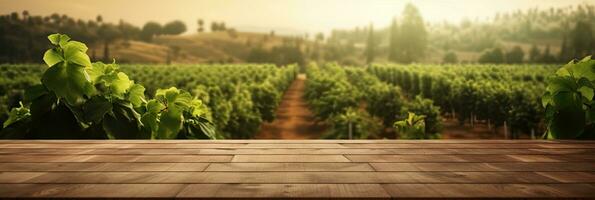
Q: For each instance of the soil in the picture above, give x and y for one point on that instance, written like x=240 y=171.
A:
x=293 y=120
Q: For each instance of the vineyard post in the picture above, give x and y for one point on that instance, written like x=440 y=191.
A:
x=489 y=125
x=472 y=120
x=505 y=130
x=350 y=131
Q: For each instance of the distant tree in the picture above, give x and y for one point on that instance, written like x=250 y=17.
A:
x=450 y=58
x=108 y=33
x=394 y=41
x=320 y=37
x=566 y=52
x=150 y=29
x=493 y=56
x=128 y=31
x=412 y=35
x=218 y=26
x=25 y=14
x=582 y=39
x=99 y=19
x=174 y=28
x=370 y=46
x=215 y=27
x=516 y=55
x=258 y=55
x=534 y=54
x=272 y=33
x=547 y=57
x=201 y=24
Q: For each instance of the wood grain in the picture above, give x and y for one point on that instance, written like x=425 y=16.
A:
x=297 y=169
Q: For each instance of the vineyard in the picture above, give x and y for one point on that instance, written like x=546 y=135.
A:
x=239 y=97
x=74 y=98
x=375 y=97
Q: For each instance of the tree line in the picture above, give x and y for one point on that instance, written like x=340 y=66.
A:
x=552 y=35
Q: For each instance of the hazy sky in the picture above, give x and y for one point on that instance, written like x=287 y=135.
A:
x=297 y=15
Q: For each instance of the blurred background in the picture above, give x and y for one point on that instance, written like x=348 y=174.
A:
x=310 y=69
x=288 y=31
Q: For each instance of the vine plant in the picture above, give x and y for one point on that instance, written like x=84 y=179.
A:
x=568 y=101
x=78 y=99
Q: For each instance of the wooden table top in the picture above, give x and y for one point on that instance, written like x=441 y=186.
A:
x=297 y=168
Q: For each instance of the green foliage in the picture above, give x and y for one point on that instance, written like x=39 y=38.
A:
x=494 y=93
x=493 y=56
x=450 y=58
x=174 y=28
x=412 y=36
x=363 y=125
x=413 y=127
x=515 y=55
x=77 y=99
x=384 y=101
x=266 y=99
x=17 y=114
x=431 y=113
x=569 y=104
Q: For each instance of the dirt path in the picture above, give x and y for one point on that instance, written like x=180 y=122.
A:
x=294 y=119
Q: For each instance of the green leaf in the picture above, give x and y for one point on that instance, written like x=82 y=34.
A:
x=170 y=123
x=96 y=108
x=586 y=92
x=64 y=39
x=79 y=58
x=16 y=115
x=566 y=100
x=153 y=106
x=546 y=99
x=136 y=95
x=54 y=38
x=123 y=123
x=567 y=124
x=151 y=120
x=96 y=70
x=34 y=92
x=51 y=57
x=561 y=84
x=121 y=84
x=563 y=72
x=75 y=52
x=584 y=68
x=68 y=81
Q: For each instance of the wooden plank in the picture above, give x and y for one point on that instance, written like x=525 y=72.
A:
x=124 y=146
x=570 y=177
x=263 y=141
x=275 y=167
x=470 y=167
x=314 y=151
x=474 y=145
x=13 y=177
x=470 y=158
x=283 y=191
x=114 y=158
x=90 y=190
x=490 y=190
x=280 y=177
x=113 y=167
x=430 y=158
x=289 y=158
x=292 y=146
